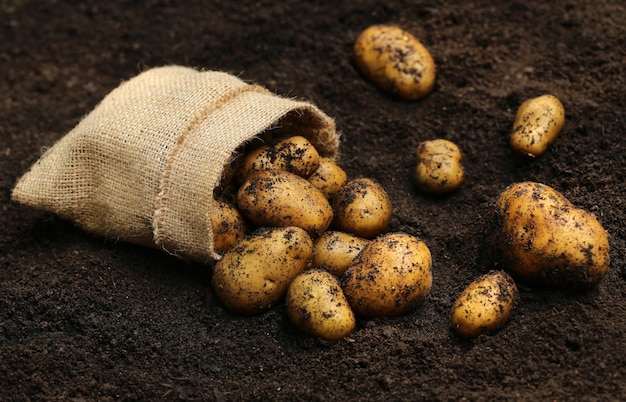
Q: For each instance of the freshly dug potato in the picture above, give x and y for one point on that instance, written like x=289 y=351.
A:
x=316 y=304
x=293 y=154
x=395 y=61
x=255 y=273
x=537 y=124
x=439 y=169
x=228 y=226
x=486 y=305
x=329 y=177
x=280 y=198
x=391 y=276
x=362 y=207
x=335 y=251
x=545 y=239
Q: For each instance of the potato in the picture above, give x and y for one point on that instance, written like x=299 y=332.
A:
x=544 y=239
x=279 y=198
x=537 y=124
x=293 y=154
x=391 y=276
x=486 y=305
x=335 y=251
x=316 y=304
x=228 y=225
x=328 y=177
x=439 y=169
x=395 y=61
x=362 y=207
x=255 y=273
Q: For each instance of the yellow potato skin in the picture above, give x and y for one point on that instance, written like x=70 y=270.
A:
x=316 y=304
x=228 y=225
x=335 y=251
x=329 y=177
x=538 y=123
x=362 y=207
x=544 y=239
x=390 y=277
x=486 y=305
x=439 y=169
x=255 y=274
x=279 y=198
x=293 y=154
x=395 y=61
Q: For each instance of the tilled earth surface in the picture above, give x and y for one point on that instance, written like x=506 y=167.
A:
x=84 y=318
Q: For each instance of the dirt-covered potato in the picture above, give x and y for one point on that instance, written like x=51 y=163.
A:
x=280 y=198
x=335 y=251
x=391 y=276
x=439 y=169
x=328 y=177
x=486 y=305
x=362 y=207
x=395 y=61
x=316 y=304
x=537 y=124
x=228 y=225
x=293 y=154
x=545 y=239
x=255 y=273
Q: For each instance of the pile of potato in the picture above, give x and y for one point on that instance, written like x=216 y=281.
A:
x=299 y=231
x=277 y=246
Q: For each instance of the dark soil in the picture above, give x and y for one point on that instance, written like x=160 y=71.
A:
x=83 y=318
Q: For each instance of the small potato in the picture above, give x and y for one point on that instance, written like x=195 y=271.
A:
x=228 y=225
x=395 y=61
x=439 y=169
x=294 y=154
x=544 y=239
x=362 y=207
x=391 y=276
x=329 y=177
x=255 y=273
x=537 y=124
x=279 y=198
x=316 y=304
x=486 y=305
x=335 y=251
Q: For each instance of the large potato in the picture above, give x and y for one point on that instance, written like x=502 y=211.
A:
x=391 y=276
x=544 y=239
x=486 y=305
x=439 y=169
x=335 y=251
x=362 y=207
x=255 y=273
x=228 y=225
x=395 y=61
x=537 y=124
x=293 y=154
x=316 y=304
x=279 y=198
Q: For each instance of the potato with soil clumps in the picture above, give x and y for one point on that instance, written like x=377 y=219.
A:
x=362 y=207
x=395 y=61
x=391 y=276
x=544 y=239
x=255 y=273
x=228 y=226
x=486 y=305
x=537 y=124
x=276 y=198
x=439 y=169
x=329 y=177
x=316 y=304
x=335 y=251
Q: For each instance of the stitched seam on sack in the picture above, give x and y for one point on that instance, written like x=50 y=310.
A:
x=160 y=202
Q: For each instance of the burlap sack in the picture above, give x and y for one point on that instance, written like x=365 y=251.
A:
x=143 y=165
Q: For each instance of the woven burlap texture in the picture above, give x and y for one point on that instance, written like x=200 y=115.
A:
x=143 y=165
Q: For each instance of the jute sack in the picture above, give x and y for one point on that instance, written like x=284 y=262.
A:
x=143 y=165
